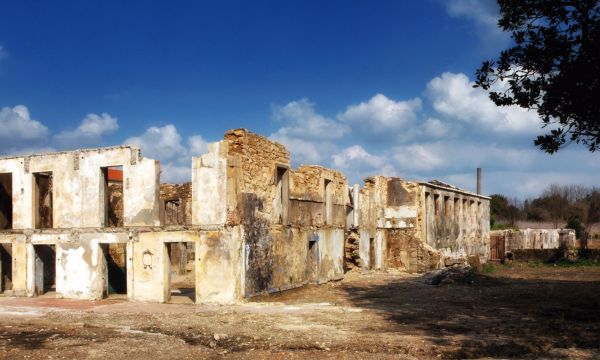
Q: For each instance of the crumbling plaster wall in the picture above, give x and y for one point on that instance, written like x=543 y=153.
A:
x=77 y=186
x=460 y=226
x=537 y=238
x=400 y=228
x=389 y=223
x=279 y=221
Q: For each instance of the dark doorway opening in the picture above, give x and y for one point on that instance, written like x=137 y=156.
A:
x=312 y=261
x=45 y=269
x=112 y=195
x=115 y=269
x=43 y=200
x=372 y=253
x=182 y=272
x=5 y=267
x=6 y=201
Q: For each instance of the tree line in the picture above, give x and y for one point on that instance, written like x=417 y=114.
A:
x=574 y=206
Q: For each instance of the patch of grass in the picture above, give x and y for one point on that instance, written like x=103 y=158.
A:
x=576 y=263
x=535 y=263
x=488 y=267
x=498 y=226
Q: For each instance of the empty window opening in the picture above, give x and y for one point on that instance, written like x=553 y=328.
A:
x=5 y=267
x=6 y=201
x=479 y=210
x=447 y=207
x=456 y=210
x=43 y=200
x=436 y=205
x=174 y=212
x=312 y=261
x=280 y=205
x=328 y=187
x=45 y=269
x=182 y=272
x=115 y=269
x=372 y=253
x=111 y=195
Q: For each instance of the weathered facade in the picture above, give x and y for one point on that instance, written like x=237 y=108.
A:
x=418 y=226
x=89 y=223
x=535 y=239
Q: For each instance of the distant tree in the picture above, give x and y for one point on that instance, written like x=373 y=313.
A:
x=498 y=206
x=553 y=68
x=593 y=201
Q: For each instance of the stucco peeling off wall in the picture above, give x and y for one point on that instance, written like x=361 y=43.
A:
x=79 y=274
x=537 y=238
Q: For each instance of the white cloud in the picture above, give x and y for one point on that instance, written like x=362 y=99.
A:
x=418 y=157
x=453 y=95
x=358 y=163
x=310 y=137
x=302 y=151
x=163 y=143
x=382 y=117
x=301 y=121
x=354 y=156
x=18 y=130
x=197 y=145
x=435 y=128
x=483 y=13
x=175 y=174
x=89 y=132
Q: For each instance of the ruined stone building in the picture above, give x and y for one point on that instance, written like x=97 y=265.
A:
x=418 y=226
x=88 y=224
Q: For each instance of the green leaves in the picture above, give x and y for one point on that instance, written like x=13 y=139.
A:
x=553 y=68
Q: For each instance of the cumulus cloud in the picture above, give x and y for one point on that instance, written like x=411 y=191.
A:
x=197 y=145
x=453 y=95
x=302 y=151
x=309 y=136
x=484 y=14
x=162 y=143
x=165 y=144
x=354 y=155
x=358 y=163
x=435 y=128
x=300 y=120
x=382 y=117
x=88 y=133
x=19 y=131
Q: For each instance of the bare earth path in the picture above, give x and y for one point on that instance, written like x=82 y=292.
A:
x=518 y=312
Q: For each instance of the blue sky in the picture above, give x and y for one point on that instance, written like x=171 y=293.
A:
x=367 y=87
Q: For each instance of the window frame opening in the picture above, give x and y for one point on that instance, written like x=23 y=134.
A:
x=112 y=205
x=6 y=201
x=43 y=209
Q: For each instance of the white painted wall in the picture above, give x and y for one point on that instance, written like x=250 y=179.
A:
x=209 y=186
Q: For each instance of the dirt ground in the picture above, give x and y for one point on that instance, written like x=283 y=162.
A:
x=512 y=312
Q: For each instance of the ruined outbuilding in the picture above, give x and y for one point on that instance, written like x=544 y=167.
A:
x=418 y=226
x=87 y=224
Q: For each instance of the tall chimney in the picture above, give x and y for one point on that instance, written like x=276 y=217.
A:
x=479 y=181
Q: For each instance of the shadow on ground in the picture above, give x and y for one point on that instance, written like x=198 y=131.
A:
x=491 y=316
